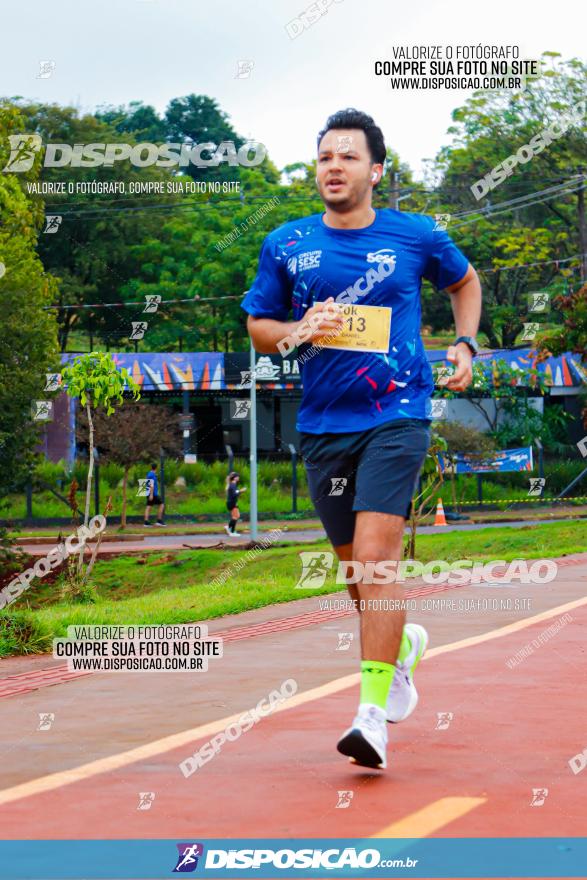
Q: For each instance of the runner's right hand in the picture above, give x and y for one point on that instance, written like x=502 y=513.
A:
x=326 y=317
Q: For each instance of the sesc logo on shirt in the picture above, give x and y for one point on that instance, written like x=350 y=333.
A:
x=309 y=260
x=384 y=255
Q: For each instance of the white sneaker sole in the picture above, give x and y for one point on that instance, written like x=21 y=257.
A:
x=360 y=751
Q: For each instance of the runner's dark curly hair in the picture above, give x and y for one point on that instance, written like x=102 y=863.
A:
x=351 y=118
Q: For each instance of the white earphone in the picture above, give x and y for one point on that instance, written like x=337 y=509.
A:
x=374 y=176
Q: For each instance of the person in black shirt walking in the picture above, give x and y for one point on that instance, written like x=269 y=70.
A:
x=232 y=493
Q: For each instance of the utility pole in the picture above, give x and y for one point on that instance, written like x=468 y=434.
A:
x=253 y=446
x=582 y=230
x=394 y=190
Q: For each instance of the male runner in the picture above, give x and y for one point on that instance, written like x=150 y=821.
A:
x=153 y=497
x=365 y=412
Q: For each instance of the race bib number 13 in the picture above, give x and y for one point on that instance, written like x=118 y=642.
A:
x=366 y=328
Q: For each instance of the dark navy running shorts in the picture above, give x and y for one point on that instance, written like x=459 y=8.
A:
x=375 y=470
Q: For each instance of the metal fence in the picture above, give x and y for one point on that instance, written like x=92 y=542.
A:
x=298 y=506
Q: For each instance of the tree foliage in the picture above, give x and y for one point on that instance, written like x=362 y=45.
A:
x=134 y=432
x=28 y=343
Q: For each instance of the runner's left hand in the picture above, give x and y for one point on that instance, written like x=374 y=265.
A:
x=461 y=356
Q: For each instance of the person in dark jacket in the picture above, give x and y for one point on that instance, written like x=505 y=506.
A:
x=232 y=493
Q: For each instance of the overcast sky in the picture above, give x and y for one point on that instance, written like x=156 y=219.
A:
x=116 y=51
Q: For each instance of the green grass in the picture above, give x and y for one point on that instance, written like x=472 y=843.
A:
x=204 y=496
x=204 y=493
x=175 y=587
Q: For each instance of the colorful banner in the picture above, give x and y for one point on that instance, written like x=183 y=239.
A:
x=160 y=371
x=519 y=459
x=564 y=371
x=217 y=371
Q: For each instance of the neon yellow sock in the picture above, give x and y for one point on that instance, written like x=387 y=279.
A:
x=376 y=680
x=404 y=648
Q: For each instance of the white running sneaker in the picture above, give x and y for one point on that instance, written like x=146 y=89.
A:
x=227 y=530
x=403 y=696
x=366 y=741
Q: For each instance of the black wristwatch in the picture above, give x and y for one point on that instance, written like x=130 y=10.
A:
x=471 y=342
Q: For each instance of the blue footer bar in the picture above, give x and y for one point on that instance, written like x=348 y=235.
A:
x=506 y=857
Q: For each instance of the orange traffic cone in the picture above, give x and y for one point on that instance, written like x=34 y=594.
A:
x=439 y=519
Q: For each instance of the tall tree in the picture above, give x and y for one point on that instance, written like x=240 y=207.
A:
x=28 y=337
x=89 y=252
x=133 y=433
x=488 y=128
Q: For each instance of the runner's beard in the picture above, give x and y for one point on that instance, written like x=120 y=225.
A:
x=355 y=197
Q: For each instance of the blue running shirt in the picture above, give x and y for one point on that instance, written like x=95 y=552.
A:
x=152 y=475
x=305 y=261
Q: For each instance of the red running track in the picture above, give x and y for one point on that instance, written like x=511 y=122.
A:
x=513 y=730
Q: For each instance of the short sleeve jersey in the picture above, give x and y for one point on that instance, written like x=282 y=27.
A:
x=152 y=475
x=305 y=261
